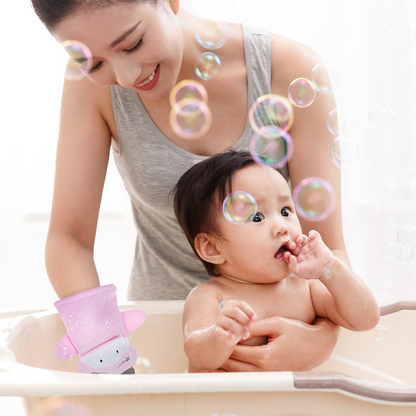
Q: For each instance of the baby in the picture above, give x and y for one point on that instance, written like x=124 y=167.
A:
x=265 y=267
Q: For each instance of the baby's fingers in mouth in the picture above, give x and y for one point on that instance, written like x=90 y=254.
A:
x=291 y=246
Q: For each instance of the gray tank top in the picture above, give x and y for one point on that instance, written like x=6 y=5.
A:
x=164 y=266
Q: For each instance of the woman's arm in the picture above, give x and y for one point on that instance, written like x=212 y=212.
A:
x=81 y=164
x=311 y=137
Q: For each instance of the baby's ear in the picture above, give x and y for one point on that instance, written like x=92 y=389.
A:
x=207 y=248
x=174 y=4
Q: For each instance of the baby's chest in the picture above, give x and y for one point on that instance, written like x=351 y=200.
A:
x=289 y=302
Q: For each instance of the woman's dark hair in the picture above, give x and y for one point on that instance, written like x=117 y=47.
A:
x=53 y=12
x=200 y=192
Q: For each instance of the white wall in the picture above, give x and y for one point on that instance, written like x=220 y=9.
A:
x=377 y=201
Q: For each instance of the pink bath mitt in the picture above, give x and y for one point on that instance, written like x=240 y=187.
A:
x=97 y=332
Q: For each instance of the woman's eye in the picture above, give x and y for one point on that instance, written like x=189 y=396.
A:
x=128 y=51
x=285 y=212
x=134 y=48
x=95 y=68
x=258 y=217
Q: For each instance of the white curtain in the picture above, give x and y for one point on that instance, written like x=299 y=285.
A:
x=377 y=198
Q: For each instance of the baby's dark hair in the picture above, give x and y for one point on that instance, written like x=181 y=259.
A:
x=200 y=192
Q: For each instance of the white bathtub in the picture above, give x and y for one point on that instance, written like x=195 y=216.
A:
x=363 y=376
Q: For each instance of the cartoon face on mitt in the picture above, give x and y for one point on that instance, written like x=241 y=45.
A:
x=97 y=332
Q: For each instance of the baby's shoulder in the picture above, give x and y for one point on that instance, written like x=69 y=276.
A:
x=207 y=289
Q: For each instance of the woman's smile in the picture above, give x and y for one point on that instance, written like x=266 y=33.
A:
x=150 y=82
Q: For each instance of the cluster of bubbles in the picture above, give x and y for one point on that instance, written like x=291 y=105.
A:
x=80 y=59
x=211 y=34
x=271 y=116
x=190 y=116
x=403 y=252
x=397 y=35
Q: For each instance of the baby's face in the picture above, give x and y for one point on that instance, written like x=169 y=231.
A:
x=253 y=251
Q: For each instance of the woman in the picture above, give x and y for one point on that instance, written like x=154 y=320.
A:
x=141 y=49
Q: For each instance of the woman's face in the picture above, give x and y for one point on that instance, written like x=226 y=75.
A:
x=129 y=43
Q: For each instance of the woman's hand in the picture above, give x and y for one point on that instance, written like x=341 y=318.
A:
x=292 y=346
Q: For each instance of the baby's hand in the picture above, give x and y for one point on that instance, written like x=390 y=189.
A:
x=234 y=320
x=308 y=256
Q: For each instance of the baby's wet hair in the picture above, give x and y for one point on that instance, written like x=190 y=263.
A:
x=200 y=192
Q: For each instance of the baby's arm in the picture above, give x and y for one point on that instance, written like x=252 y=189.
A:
x=337 y=292
x=210 y=334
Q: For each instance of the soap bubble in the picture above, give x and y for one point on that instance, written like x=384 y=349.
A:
x=404 y=258
x=412 y=178
x=270 y=109
x=314 y=199
x=142 y=366
x=398 y=35
x=211 y=34
x=337 y=119
x=72 y=71
x=207 y=66
x=347 y=153
x=239 y=207
x=190 y=118
x=272 y=146
x=384 y=289
x=413 y=115
x=301 y=92
x=381 y=333
x=326 y=77
x=188 y=88
x=81 y=56
x=390 y=251
x=406 y=237
x=381 y=118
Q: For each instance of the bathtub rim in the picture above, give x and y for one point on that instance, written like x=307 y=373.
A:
x=42 y=382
